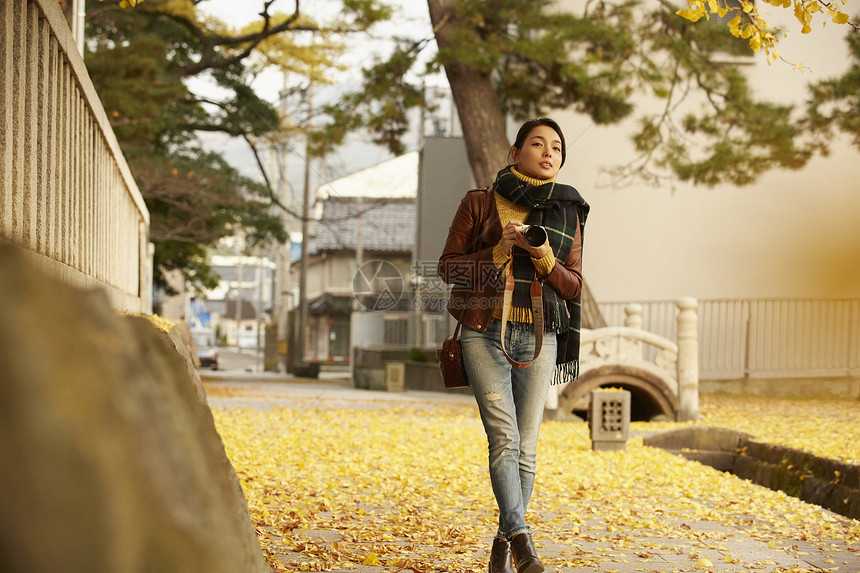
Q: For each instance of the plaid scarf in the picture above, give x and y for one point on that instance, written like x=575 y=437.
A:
x=555 y=207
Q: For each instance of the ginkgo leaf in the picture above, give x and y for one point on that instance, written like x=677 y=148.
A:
x=371 y=559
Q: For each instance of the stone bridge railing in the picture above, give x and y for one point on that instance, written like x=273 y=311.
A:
x=66 y=193
x=661 y=375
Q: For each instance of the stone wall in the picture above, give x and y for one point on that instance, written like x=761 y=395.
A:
x=814 y=479
x=110 y=459
x=825 y=482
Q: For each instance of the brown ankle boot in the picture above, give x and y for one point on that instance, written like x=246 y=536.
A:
x=500 y=557
x=524 y=554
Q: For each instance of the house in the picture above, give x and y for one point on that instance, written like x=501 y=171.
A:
x=245 y=278
x=221 y=317
x=360 y=254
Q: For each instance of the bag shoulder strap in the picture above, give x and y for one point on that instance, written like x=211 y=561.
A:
x=536 y=295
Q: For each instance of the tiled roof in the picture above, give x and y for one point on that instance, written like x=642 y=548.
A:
x=388 y=225
x=331 y=304
x=247 y=310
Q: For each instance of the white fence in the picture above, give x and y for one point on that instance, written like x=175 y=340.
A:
x=764 y=338
x=66 y=193
x=738 y=338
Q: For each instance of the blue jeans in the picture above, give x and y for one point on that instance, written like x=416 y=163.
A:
x=511 y=402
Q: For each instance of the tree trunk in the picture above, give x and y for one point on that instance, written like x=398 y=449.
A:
x=483 y=124
x=477 y=104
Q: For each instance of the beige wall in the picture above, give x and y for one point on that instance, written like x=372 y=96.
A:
x=792 y=234
x=335 y=273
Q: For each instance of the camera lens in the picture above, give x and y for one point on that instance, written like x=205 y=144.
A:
x=535 y=236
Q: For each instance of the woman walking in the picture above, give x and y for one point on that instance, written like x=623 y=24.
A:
x=517 y=340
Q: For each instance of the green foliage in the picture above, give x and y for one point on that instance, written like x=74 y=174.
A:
x=835 y=103
x=542 y=60
x=366 y=13
x=246 y=112
x=711 y=129
x=417 y=355
x=195 y=198
x=141 y=59
x=601 y=61
x=140 y=96
x=381 y=106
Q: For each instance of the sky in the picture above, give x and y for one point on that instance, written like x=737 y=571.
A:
x=411 y=18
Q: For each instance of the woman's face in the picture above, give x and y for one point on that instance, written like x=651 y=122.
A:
x=540 y=156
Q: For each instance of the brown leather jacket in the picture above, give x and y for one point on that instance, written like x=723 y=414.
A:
x=467 y=261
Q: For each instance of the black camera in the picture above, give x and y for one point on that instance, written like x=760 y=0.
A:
x=535 y=235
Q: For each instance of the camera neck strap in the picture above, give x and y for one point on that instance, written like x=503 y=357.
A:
x=536 y=295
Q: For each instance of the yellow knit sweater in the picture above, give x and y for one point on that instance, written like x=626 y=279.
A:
x=509 y=211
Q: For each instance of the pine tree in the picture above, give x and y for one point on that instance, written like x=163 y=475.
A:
x=141 y=60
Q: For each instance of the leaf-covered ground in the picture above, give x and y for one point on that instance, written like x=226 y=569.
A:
x=827 y=428
x=406 y=488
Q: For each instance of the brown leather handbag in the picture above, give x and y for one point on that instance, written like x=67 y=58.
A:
x=451 y=361
x=450 y=356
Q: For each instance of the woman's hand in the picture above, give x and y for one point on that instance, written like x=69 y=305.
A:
x=511 y=236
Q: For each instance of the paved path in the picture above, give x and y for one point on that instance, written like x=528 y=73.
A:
x=709 y=553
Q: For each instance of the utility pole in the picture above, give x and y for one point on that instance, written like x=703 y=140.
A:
x=359 y=243
x=239 y=281
x=303 y=264
x=283 y=252
x=258 y=348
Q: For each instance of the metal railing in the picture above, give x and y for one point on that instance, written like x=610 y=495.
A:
x=764 y=338
x=66 y=193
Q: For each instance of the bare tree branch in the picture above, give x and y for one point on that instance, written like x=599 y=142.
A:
x=268 y=184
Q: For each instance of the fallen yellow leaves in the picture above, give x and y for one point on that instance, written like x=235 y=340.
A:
x=164 y=324
x=407 y=489
x=826 y=428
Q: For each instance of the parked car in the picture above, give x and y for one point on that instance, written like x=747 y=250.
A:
x=207 y=348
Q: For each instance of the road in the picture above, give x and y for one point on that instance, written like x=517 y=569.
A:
x=231 y=358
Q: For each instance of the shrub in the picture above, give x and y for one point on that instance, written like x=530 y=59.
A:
x=417 y=355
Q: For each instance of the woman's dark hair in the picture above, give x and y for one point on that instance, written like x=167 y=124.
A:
x=527 y=127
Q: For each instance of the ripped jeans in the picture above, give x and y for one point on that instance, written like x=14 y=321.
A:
x=511 y=402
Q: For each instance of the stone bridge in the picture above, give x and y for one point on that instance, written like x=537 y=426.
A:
x=661 y=375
